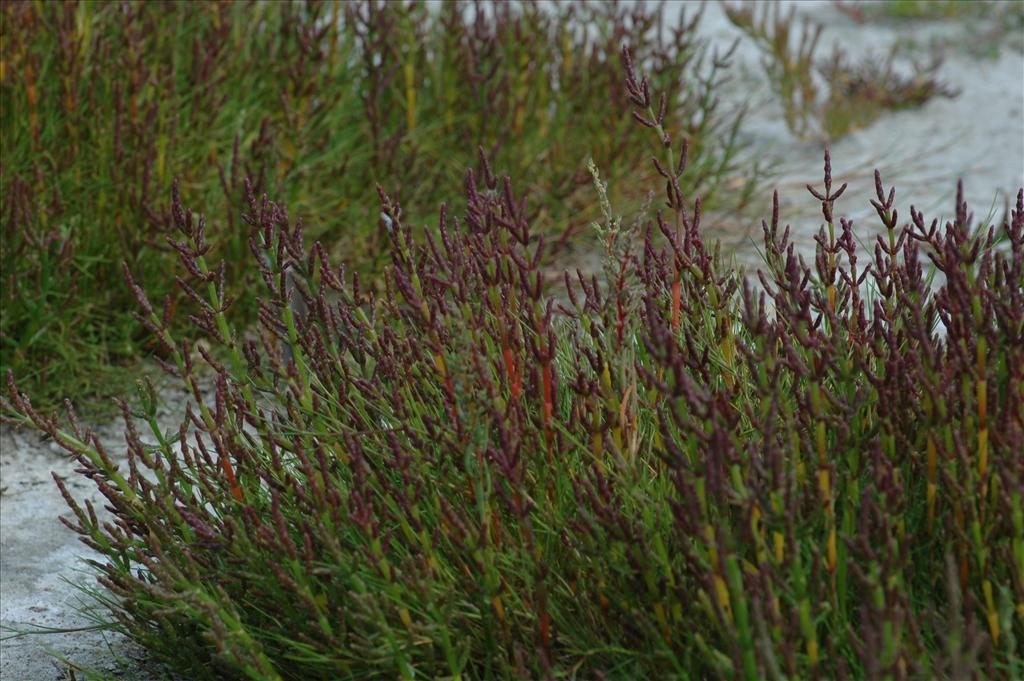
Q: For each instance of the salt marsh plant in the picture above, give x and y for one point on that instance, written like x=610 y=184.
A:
x=315 y=102
x=673 y=473
x=855 y=93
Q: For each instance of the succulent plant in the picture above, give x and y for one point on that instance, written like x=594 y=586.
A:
x=672 y=472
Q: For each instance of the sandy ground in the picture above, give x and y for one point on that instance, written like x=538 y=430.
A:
x=978 y=136
x=42 y=562
x=38 y=559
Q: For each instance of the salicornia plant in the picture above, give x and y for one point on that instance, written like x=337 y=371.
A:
x=856 y=93
x=671 y=473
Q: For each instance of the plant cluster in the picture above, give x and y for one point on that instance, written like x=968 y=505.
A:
x=860 y=91
x=670 y=474
x=857 y=93
x=105 y=102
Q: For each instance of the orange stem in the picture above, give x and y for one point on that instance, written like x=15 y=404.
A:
x=229 y=473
